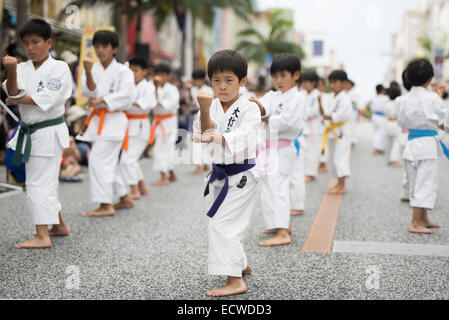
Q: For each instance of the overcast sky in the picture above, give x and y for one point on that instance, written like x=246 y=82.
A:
x=359 y=31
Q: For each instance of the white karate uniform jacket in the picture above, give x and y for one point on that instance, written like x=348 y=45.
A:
x=146 y=99
x=49 y=86
x=116 y=85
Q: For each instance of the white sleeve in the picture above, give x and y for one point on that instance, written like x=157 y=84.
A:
x=289 y=119
x=122 y=99
x=57 y=89
x=20 y=84
x=84 y=89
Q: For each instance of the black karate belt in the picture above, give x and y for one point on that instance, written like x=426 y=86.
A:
x=28 y=130
x=220 y=172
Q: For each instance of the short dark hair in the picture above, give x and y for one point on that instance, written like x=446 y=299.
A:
x=379 y=88
x=338 y=75
x=199 y=74
x=393 y=92
x=162 y=68
x=407 y=85
x=310 y=76
x=139 y=62
x=106 y=37
x=286 y=62
x=419 y=71
x=228 y=60
x=38 y=27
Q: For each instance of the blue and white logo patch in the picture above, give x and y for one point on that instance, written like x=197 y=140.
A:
x=54 y=84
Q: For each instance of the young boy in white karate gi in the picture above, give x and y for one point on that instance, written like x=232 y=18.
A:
x=355 y=100
x=164 y=129
x=392 y=128
x=422 y=112
x=199 y=85
x=326 y=101
x=337 y=133
x=313 y=128
x=228 y=126
x=41 y=87
x=284 y=120
x=110 y=87
x=377 y=107
x=139 y=128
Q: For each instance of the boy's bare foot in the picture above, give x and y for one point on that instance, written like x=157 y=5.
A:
x=198 y=170
x=337 y=190
x=247 y=271
x=173 y=177
x=100 y=212
x=232 y=288
x=143 y=189
x=377 y=152
x=274 y=231
x=162 y=182
x=420 y=229
x=296 y=212
x=59 y=231
x=405 y=200
x=322 y=168
x=278 y=240
x=206 y=167
x=126 y=202
x=395 y=164
x=430 y=224
x=135 y=195
x=309 y=179
x=35 y=243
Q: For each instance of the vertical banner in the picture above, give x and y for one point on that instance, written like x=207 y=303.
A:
x=87 y=50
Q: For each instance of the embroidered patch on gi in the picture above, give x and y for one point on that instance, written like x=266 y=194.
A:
x=242 y=182
x=54 y=84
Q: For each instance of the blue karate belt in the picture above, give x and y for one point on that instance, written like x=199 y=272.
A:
x=419 y=133
x=379 y=113
x=297 y=144
x=220 y=172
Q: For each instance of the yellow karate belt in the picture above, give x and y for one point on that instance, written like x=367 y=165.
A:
x=330 y=128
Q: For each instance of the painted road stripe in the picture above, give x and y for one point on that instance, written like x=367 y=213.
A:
x=322 y=232
x=409 y=249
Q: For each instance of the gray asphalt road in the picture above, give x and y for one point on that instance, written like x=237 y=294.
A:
x=159 y=249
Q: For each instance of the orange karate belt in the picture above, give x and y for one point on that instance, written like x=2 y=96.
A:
x=158 y=121
x=101 y=113
x=392 y=119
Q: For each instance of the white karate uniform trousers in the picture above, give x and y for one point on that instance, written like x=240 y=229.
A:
x=106 y=182
x=129 y=161
x=297 y=182
x=164 y=150
x=423 y=180
x=379 y=132
x=393 y=149
x=312 y=153
x=340 y=153
x=226 y=228
x=42 y=183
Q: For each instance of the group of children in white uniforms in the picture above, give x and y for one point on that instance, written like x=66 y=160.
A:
x=229 y=124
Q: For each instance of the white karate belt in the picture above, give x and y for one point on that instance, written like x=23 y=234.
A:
x=7 y=185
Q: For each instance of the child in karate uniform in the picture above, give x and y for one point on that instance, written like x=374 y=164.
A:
x=139 y=128
x=228 y=127
x=110 y=87
x=284 y=120
x=326 y=100
x=41 y=86
x=337 y=133
x=423 y=113
x=313 y=129
x=199 y=85
x=377 y=107
x=165 y=126
x=392 y=129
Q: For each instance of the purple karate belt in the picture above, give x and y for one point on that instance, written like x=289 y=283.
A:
x=220 y=172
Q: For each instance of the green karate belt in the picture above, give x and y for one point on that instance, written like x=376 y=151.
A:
x=28 y=130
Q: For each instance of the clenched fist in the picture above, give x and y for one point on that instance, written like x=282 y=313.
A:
x=10 y=63
x=88 y=64
x=204 y=100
